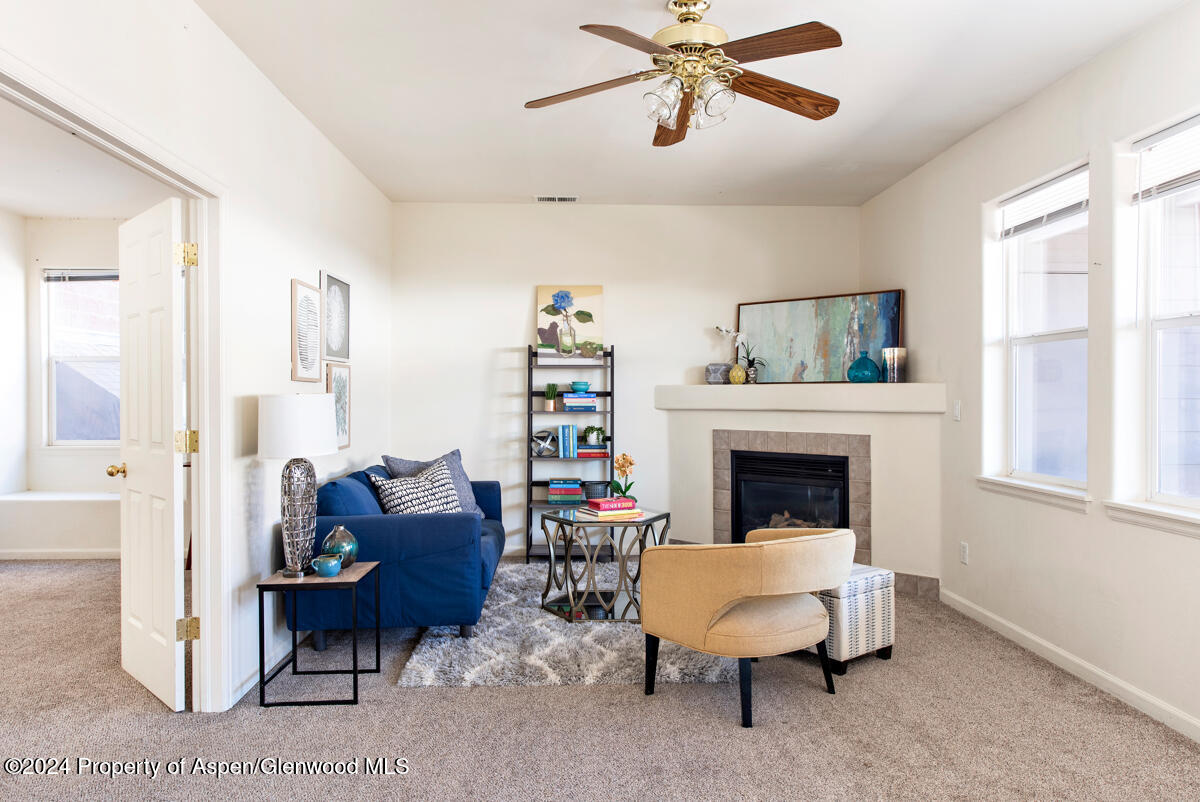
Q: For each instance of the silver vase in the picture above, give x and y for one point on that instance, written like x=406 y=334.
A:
x=298 y=500
x=752 y=375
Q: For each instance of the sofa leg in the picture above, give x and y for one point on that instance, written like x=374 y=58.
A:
x=465 y=631
x=744 y=685
x=838 y=667
x=318 y=640
x=885 y=653
x=824 y=655
x=651 y=662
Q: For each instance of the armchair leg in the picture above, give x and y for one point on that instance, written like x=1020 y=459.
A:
x=824 y=655
x=465 y=631
x=651 y=662
x=744 y=683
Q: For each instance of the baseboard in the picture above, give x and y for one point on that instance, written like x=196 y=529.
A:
x=1133 y=696
x=60 y=554
x=282 y=647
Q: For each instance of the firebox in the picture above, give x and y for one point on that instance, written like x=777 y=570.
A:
x=774 y=491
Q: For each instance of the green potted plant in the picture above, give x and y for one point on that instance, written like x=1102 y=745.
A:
x=594 y=435
x=752 y=362
x=551 y=396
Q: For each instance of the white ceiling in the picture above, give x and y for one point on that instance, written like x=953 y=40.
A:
x=426 y=97
x=47 y=172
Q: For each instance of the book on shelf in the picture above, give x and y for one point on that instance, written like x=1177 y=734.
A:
x=565 y=501
x=587 y=514
x=569 y=396
x=568 y=440
x=612 y=503
x=564 y=491
x=557 y=481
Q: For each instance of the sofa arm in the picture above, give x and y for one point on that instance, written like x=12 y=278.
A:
x=487 y=496
x=396 y=538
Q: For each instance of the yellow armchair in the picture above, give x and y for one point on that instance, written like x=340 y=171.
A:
x=744 y=600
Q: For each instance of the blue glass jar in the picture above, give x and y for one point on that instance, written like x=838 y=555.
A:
x=863 y=370
x=341 y=542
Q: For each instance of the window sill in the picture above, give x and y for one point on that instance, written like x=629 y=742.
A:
x=1067 y=498
x=1163 y=517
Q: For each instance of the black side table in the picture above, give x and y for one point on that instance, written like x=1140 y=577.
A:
x=348 y=579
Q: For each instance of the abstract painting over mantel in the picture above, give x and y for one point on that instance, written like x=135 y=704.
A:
x=816 y=339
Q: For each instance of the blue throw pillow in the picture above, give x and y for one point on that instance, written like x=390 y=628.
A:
x=406 y=468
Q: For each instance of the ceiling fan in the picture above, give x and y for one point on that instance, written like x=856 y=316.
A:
x=704 y=74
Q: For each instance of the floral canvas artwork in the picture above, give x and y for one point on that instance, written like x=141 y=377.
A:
x=568 y=321
x=337 y=383
x=817 y=339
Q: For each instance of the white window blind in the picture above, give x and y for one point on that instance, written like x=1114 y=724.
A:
x=1046 y=203
x=1170 y=161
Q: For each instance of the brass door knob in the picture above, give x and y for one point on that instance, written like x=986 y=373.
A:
x=116 y=470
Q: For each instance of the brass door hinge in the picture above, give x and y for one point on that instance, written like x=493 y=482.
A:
x=186 y=254
x=187 y=629
x=187 y=441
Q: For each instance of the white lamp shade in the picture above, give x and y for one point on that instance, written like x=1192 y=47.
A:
x=296 y=425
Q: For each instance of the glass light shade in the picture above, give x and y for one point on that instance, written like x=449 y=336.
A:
x=714 y=97
x=702 y=120
x=662 y=105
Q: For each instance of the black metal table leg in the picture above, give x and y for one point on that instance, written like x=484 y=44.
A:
x=378 y=622
x=262 y=652
x=354 y=638
x=295 y=654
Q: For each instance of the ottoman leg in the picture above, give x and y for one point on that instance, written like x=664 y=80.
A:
x=838 y=667
x=885 y=653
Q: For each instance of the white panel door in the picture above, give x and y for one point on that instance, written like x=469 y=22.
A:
x=152 y=492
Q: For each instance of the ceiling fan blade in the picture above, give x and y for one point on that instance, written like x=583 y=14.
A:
x=789 y=41
x=628 y=38
x=663 y=136
x=591 y=90
x=788 y=97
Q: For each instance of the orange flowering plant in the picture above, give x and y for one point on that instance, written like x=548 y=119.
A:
x=624 y=467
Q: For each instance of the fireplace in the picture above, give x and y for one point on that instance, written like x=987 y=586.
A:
x=778 y=490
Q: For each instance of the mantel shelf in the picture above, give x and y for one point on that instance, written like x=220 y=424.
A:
x=910 y=398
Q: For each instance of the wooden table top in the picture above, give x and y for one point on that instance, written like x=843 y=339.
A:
x=345 y=578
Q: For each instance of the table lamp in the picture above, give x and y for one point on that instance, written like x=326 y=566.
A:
x=295 y=427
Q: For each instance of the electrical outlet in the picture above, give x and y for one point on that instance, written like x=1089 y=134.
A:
x=964 y=553
x=958 y=410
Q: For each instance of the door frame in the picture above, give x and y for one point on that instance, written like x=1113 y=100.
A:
x=211 y=592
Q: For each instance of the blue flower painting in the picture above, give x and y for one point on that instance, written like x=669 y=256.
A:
x=568 y=321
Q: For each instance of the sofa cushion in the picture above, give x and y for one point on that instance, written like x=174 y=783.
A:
x=346 y=496
x=431 y=490
x=491 y=546
x=398 y=468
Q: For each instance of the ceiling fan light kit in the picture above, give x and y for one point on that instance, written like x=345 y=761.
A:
x=703 y=76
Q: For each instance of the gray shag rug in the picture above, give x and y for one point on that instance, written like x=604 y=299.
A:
x=518 y=643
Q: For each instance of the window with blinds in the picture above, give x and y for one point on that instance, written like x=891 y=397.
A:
x=1168 y=201
x=83 y=350
x=1045 y=245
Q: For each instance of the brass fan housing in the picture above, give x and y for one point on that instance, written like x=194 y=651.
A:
x=683 y=36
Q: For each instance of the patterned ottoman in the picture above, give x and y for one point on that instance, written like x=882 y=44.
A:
x=861 y=616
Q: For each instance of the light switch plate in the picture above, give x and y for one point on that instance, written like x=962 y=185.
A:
x=958 y=410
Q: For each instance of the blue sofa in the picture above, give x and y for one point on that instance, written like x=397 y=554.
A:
x=435 y=570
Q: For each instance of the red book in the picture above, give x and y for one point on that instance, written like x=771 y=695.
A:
x=564 y=491
x=605 y=504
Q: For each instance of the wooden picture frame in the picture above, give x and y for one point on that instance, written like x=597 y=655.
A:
x=341 y=399
x=826 y=330
x=307 y=331
x=335 y=342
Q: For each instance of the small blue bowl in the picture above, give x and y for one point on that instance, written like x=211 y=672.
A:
x=580 y=387
x=328 y=565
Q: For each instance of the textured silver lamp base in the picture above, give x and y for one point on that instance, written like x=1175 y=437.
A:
x=299 y=516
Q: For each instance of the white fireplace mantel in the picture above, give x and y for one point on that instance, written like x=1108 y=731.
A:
x=912 y=398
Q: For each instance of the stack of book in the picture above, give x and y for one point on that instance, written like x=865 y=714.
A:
x=565 y=491
x=568 y=441
x=610 y=509
x=593 y=452
x=579 y=402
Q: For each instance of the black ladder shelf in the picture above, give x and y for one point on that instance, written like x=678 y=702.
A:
x=603 y=417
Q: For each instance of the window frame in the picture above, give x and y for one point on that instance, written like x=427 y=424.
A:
x=1013 y=342
x=50 y=359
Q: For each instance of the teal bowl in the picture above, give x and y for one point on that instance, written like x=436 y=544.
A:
x=328 y=565
x=580 y=387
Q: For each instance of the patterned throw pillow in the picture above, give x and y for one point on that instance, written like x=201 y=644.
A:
x=431 y=490
x=462 y=485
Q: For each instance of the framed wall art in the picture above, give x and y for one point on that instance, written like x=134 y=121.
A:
x=337 y=317
x=306 y=332
x=816 y=339
x=337 y=383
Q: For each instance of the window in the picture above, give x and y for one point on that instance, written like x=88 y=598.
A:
x=1169 y=206
x=83 y=357
x=1045 y=245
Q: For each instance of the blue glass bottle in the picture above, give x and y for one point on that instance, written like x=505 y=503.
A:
x=863 y=370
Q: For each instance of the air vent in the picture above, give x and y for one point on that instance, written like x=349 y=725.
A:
x=556 y=199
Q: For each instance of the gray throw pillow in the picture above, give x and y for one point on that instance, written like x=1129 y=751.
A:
x=431 y=490
x=404 y=468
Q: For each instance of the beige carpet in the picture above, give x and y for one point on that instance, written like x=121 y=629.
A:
x=959 y=712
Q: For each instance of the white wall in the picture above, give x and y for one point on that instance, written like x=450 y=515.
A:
x=164 y=75
x=13 y=335
x=464 y=312
x=1114 y=602
x=61 y=244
